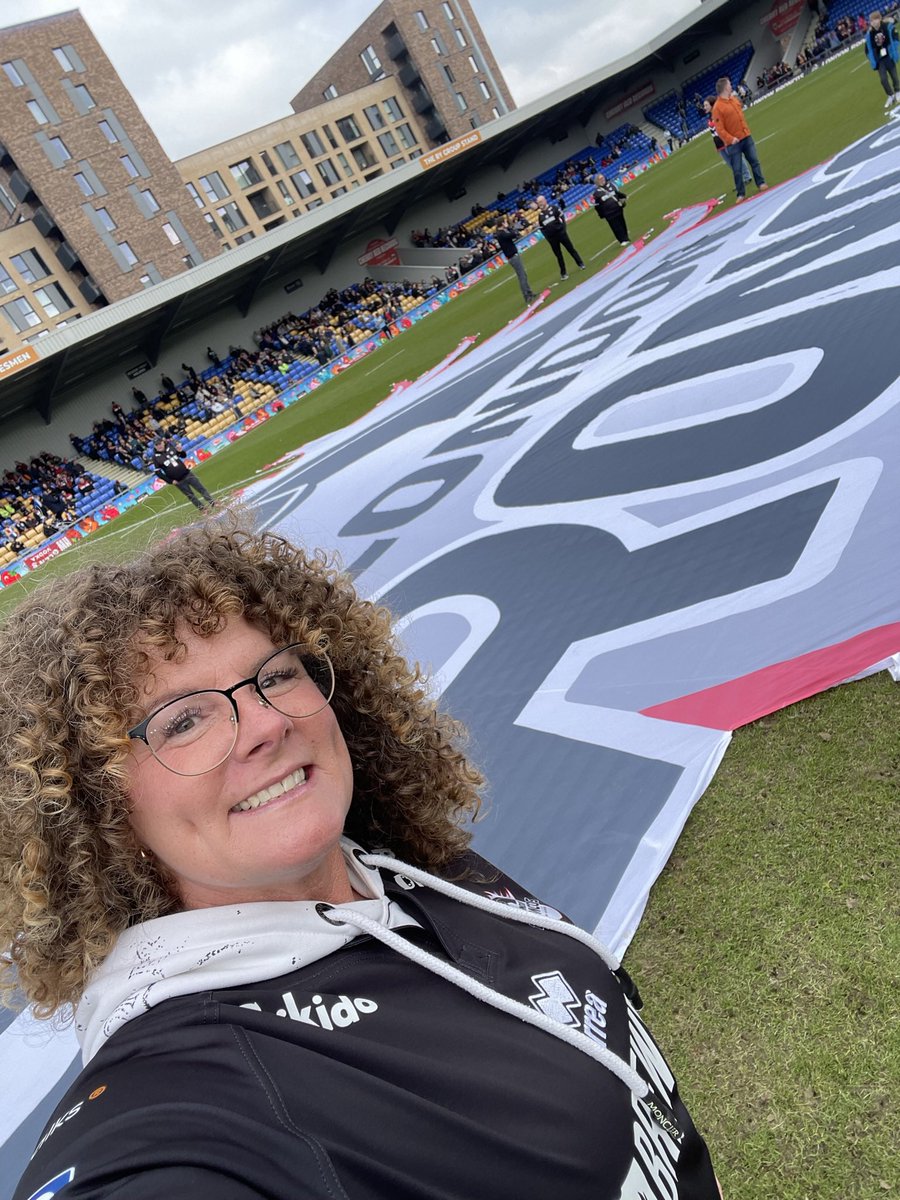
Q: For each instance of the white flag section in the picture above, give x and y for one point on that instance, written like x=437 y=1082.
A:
x=653 y=512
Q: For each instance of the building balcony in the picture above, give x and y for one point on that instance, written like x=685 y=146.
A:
x=20 y=187
x=395 y=46
x=44 y=223
x=422 y=101
x=435 y=129
x=67 y=256
x=409 y=75
x=91 y=292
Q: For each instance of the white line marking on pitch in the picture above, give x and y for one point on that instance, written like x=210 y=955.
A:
x=383 y=362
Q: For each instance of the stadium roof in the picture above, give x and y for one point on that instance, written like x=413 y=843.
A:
x=137 y=328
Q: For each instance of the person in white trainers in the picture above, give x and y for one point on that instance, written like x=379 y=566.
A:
x=882 y=49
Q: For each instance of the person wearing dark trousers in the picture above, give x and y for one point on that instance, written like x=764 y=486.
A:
x=883 y=50
x=609 y=204
x=170 y=466
x=552 y=225
x=506 y=240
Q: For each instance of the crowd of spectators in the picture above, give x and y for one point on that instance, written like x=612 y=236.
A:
x=40 y=497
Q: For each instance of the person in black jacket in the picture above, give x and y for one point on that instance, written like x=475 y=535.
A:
x=506 y=240
x=609 y=205
x=169 y=464
x=552 y=224
x=219 y=735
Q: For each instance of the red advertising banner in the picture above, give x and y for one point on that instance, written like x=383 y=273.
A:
x=783 y=16
x=642 y=93
x=381 y=252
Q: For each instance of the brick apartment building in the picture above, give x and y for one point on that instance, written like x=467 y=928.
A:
x=435 y=51
x=92 y=209
x=259 y=180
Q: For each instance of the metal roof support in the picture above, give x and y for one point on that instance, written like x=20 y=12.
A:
x=395 y=216
x=247 y=294
x=152 y=342
x=44 y=403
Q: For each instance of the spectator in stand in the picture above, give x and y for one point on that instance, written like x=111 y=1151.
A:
x=552 y=224
x=139 y=396
x=732 y=128
x=168 y=461
x=506 y=241
x=609 y=205
x=168 y=384
x=212 y=356
x=189 y=371
x=717 y=141
x=882 y=49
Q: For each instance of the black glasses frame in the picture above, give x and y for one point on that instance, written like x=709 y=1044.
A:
x=139 y=732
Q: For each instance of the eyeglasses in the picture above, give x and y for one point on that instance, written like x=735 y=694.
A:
x=198 y=731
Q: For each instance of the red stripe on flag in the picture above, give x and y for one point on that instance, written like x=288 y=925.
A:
x=742 y=700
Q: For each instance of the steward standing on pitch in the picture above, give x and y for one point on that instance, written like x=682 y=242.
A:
x=506 y=240
x=170 y=466
x=552 y=225
x=609 y=204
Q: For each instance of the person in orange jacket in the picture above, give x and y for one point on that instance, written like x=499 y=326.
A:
x=732 y=128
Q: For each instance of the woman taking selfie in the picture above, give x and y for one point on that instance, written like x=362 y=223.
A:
x=234 y=842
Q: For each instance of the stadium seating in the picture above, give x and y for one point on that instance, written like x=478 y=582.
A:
x=665 y=112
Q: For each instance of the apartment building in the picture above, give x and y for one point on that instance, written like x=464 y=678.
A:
x=92 y=209
x=436 y=53
x=257 y=181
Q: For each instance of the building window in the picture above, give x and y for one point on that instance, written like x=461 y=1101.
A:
x=13 y=75
x=341 y=191
x=422 y=19
x=302 y=181
x=30 y=265
x=130 y=169
x=245 y=173
x=211 y=222
x=87 y=100
x=398 y=162
x=438 y=44
x=6 y=200
x=84 y=184
x=313 y=143
x=474 y=64
x=63 y=59
x=146 y=281
x=245 y=237
x=127 y=253
x=473 y=121
x=345 y=165
x=59 y=148
x=288 y=155
x=267 y=162
x=328 y=172
x=317 y=203
x=105 y=219
x=362 y=156
x=194 y=194
x=213 y=186
x=460 y=38
x=448 y=11
x=374 y=117
x=495 y=113
x=171 y=234
x=330 y=93
x=349 y=129
x=231 y=217
x=52 y=299
x=388 y=144
x=484 y=89
x=20 y=314
x=108 y=132
x=461 y=101
x=371 y=61
x=152 y=203
x=285 y=192
x=393 y=109
x=37 y=112
x=188 y=261
x=448 y=74
x=407 y=138
x=7 y=283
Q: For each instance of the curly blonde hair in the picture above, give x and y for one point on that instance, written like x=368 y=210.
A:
x=72 y=660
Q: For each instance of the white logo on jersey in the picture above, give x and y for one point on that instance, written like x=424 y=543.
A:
x=526 y=903
x=555 y=999
x=320 y=1015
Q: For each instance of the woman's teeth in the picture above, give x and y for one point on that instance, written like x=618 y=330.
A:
x=270 y=793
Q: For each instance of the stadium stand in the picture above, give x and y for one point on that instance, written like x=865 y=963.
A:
x=680 y=114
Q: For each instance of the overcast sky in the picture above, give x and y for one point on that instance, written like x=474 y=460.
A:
x=205 y=70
